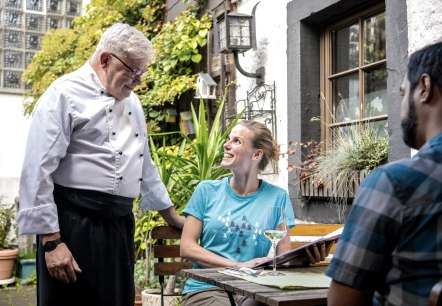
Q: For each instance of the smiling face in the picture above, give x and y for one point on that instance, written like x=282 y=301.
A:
x=240 y=156
x=117 y=78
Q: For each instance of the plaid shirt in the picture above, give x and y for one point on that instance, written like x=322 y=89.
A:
x=392 y=241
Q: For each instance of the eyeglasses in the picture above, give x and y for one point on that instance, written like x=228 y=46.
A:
x=135 y=73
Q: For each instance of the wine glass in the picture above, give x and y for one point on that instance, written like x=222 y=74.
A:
x=275 y=228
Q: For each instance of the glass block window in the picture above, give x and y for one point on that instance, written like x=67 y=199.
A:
x=34 y=5
x=13 y=39
x=34 y=22
x=73 y=7
x=54 y=6
x=28 y=57
x=54 y=22
x=13 y=19
x=33 y=41
x=23 y=24
x=69 y=23
x=12 y=79
x=13 y=59
x=13 y=3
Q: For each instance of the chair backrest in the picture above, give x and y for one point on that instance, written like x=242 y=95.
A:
x=304 y=233
x=167 y=246
x=435 y=298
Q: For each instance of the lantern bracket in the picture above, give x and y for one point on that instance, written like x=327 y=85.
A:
x=259 y=74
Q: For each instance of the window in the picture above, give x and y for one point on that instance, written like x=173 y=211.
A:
x=23 y=24
x=354 y=75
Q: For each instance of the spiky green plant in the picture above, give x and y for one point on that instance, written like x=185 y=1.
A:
x=352 y=153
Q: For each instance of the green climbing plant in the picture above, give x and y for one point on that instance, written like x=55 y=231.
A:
x=178 y=46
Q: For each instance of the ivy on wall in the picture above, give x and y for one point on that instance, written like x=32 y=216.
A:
x=178 y=45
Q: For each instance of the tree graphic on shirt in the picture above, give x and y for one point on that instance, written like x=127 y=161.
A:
x=243 y=229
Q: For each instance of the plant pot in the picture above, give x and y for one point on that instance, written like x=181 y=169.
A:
x=152 y=297
x=138 y=300
x=27 y=269
x=7 y=259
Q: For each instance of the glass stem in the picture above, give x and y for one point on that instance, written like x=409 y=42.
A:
x=274 y=257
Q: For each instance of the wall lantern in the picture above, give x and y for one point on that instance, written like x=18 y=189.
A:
x=205 y=87
x=236 y=33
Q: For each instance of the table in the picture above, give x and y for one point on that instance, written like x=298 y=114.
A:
x=268 y=295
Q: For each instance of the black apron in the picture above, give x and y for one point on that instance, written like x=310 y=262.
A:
x=98 y=229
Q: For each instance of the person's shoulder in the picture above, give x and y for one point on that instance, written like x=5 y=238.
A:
x=404 y=168
x=272 y=187
x=72 y=76
x=213 y=183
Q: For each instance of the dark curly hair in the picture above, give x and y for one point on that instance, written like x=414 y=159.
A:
x=426 y=60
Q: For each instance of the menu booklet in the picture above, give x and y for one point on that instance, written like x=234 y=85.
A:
x=296 y=256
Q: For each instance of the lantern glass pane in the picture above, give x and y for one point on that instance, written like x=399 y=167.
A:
x=222 y=35
x=240 y=31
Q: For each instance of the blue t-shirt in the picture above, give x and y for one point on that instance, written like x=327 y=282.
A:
x=232 y=224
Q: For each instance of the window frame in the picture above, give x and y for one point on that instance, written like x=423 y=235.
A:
x=327 y=76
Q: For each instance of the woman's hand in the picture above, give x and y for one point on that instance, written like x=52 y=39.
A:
x=253 y=262
x=319 y=251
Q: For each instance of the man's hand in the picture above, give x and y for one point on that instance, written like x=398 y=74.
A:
x=61 y=264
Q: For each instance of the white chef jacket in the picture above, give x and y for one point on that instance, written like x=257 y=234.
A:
x=81 y=137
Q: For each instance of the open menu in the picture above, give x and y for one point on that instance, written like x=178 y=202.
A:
x=297 y=255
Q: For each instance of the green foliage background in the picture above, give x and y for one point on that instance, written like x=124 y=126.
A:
x=177 y=44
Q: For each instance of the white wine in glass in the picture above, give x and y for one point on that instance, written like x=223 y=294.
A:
x=275 y=228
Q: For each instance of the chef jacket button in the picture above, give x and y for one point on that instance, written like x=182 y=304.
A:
x=130 y=113
x=141 y=155
x=136 y=135
x=102 y=92
x=141 y=179
x=110 y=111
x=120 y=178
x=113 y=133
x=121 y=153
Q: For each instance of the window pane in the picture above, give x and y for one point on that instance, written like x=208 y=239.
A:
x=375 y=92
x=346 y=48
x=346 y=104
x=374 y=38
x=380 y=127
x=342 y=135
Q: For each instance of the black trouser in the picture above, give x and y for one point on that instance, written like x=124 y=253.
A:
x=98 y=229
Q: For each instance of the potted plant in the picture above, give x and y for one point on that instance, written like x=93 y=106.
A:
x=8 y=254
x=27 y=267
x=336 y=173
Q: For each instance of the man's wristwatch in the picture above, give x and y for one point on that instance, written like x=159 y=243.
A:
x=50 y=245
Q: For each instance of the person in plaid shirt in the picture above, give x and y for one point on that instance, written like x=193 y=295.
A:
x=390 y=252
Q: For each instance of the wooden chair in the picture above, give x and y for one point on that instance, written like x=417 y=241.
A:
x=167 y=246
x=435 y=298
x=304 y=233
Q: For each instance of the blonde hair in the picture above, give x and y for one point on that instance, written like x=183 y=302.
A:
x=263 y=139
x=126 y=41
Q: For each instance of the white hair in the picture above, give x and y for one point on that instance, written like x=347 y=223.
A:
x=126 y=41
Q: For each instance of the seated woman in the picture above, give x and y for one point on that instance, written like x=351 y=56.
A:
x=225 y=215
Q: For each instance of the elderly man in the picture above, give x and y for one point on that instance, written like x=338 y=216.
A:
x=390 y=252
x=86 y=160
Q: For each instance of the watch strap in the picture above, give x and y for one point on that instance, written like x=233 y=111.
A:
x=50 y=245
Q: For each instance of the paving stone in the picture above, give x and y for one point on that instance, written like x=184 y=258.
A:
x=18 y=296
